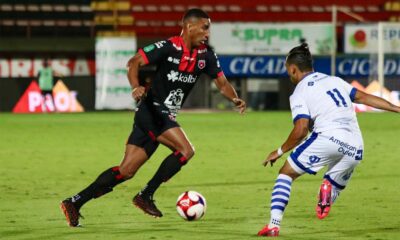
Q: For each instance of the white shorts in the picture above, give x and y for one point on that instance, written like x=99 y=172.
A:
x=340 y=150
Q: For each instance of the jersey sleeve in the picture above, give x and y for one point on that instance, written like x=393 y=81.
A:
x=213 y=68
x=299 y=108
x=155 y=52
x=350 y=90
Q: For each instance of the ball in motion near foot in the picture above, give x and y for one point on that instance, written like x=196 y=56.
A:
x=191 y=205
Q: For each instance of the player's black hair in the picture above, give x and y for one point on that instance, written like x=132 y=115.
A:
x=195 y=12
x=301 y=57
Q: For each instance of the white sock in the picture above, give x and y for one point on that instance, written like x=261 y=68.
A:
x=279 y=199
x=334 y=193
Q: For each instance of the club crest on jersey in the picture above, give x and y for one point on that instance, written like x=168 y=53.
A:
x=201 y=64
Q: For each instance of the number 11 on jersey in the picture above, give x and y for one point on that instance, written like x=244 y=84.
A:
x=335 y=95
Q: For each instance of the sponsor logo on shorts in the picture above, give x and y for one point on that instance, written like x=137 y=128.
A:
x=172 y=117
x=345 y=148
x=314 y=159
x=347 y=175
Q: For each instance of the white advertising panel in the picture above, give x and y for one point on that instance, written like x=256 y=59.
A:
x=270 y=38
x=363 y=38
x=113 y=90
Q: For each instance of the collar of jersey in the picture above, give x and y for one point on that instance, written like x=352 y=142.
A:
x=307 y=75
x=184 y=47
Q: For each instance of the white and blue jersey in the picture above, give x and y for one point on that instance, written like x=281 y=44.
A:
x=336 y=138
x=326 y=101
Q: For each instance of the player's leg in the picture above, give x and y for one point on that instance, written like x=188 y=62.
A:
x=335 y=180
x=346 y=152
x=134 y=157
x=175 y=139
x=308 y=157
x=280 y=199
x=138 y=149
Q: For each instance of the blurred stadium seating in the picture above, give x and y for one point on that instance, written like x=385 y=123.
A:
x=158 y=18
x=38 y=18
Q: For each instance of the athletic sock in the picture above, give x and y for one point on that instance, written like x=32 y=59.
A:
x=334 y=193
x=279 y=199
x=168 y=168
x=104 y=183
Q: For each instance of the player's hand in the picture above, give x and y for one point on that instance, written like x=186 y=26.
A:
x=240 y=104
x=138 y=93
x=272 y=157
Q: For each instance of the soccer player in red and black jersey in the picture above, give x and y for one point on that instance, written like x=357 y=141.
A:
x=180 y=61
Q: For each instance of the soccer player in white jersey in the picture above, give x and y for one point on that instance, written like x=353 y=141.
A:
x=323 y=105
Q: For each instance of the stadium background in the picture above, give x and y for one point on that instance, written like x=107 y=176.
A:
x=66 y=32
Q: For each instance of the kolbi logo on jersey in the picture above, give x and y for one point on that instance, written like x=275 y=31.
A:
x=180 y=77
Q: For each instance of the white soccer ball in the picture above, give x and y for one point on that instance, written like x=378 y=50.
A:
x=191 y=205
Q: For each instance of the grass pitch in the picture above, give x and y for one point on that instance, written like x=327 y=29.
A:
x=45 y=158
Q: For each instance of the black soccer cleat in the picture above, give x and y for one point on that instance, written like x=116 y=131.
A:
x=71 y=213
x=147 y=205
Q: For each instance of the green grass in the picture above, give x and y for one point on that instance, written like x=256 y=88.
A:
x=45 y=158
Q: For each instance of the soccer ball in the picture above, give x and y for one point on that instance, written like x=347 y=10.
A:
x=191 y=205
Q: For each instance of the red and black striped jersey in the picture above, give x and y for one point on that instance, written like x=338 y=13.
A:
x=178 y=70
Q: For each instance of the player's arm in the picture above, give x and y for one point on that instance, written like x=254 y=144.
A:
x=298 y=133
x=229 y=92
x=133 y=76
x=374 y=101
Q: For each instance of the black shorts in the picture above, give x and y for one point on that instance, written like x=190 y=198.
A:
x=150 y=122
